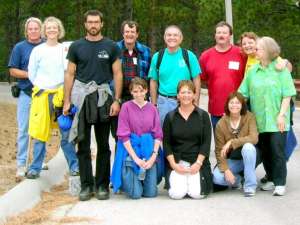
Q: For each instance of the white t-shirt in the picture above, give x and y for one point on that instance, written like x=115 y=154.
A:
x=46 y=66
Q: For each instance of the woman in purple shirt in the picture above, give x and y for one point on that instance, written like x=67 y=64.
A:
x=140 y=134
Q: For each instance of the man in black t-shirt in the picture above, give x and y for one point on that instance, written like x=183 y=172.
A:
x=93 y=62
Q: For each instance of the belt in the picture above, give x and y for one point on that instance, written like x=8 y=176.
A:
x=167 y=96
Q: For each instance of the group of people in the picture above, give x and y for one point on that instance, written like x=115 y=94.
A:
x=151 y=108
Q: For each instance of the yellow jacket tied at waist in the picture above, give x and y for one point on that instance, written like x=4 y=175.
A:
x=40 y=120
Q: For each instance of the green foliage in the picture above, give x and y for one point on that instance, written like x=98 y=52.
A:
x=197 y=19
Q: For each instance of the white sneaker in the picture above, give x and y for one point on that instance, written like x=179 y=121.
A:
x=21 y=171
x=249 y=192
x=279 y=191
x=45 y=166
x=268 y=186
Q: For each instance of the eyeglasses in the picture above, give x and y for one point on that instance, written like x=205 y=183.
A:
x=259 y=49
x=92 y=22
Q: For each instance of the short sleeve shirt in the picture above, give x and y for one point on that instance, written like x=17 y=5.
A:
x=94 y=59
x=172 y=70
x=19 y=59
x=224 y=72
x=266 y=87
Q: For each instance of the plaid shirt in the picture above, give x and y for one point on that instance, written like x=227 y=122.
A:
x=143 y=55
x=129 y=67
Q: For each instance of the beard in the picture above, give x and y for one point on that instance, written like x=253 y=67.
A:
x=93 y=31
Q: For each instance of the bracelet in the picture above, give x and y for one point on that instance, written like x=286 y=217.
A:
x=118 y=100
x=155 y=152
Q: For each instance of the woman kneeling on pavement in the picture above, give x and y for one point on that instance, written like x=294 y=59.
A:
x=235 y=137
x=136 y=164
x=269 y=92
x=187 y=138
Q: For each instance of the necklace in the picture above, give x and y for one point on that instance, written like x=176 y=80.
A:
x=235 y=126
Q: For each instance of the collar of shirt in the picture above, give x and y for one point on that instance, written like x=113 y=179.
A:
x=270 y=66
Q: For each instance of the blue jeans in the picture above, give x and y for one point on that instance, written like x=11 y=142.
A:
x=214 y=121
x=39 y=152
x=133 y=187
x=23 y=110
x=247 y=164
x=69 y=151
x=165 y=105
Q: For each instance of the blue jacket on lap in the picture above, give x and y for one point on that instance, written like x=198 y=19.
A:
x=143 y=146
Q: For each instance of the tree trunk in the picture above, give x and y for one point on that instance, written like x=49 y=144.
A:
x=151 y=39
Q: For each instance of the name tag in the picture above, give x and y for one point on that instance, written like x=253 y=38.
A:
x=233 y=65
x=134 y=60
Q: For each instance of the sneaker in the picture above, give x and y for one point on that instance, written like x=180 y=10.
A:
x=21 y=171
x=45 y=166
x=269 y=186
x=264 y=179
x=279 y=191
x=74 y=173
x=32 y=175
x=249 y=193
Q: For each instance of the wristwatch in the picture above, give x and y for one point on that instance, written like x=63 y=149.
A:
x=118 y=100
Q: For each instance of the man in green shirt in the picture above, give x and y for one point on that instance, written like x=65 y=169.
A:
x=173 y=69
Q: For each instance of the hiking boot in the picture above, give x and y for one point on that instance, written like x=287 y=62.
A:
x=279 y=191
x=102 y=193
x=268 y=186
x=85 y=194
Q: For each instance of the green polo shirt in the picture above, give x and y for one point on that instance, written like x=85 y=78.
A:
x=266 y=87
x=172 y=70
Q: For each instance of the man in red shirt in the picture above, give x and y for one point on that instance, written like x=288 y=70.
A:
x=223 y=69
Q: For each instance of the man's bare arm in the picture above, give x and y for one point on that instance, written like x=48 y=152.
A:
x=197 y=83
x=153 y=91
x=118 y=78
x=68 y=85
x=14 y=72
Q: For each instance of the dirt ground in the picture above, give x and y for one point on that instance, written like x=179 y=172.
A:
x=8 y=147
x=42 y=213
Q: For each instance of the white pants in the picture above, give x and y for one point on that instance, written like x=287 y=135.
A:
x=182 y=185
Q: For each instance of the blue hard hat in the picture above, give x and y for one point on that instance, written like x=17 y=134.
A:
x=64 y=122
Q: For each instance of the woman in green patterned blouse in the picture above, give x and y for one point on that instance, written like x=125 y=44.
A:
x=269 y=92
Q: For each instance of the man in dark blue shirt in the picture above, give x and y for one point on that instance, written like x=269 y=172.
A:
x=17 y=65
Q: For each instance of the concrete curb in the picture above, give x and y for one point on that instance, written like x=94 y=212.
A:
x=28 y=193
